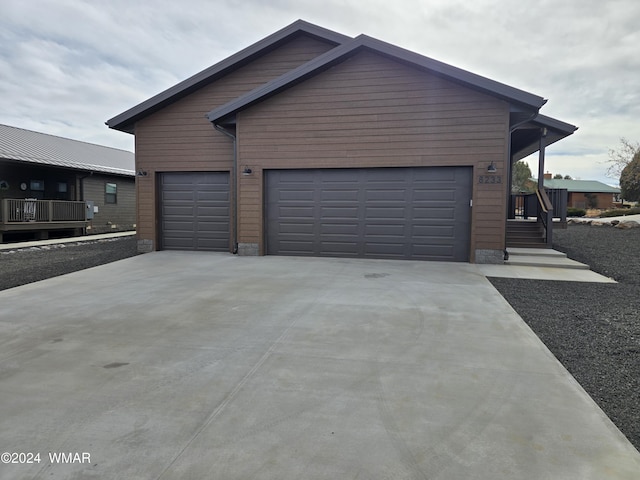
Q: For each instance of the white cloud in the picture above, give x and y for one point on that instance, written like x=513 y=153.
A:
x=69 y=65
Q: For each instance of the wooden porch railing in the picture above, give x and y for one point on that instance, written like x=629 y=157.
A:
x=525 y=205
x=545 y=214
x=544 y=205
x=31 y=210
x=559 y=200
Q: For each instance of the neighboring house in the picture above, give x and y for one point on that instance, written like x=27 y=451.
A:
x=54 y=186
x=585 y=193
x=310 y=142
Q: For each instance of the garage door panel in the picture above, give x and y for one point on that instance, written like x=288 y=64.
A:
x=295 y=212
x=418 y=213
x=177 y=196
x=194 y=211
x=334 y=195
x=388 y=230
x=296 y=228
x=435 y=175
x=299 y=195
x=334 y=212
x=388 y=213
x=385 y=195
x=338 y=229
x=212 y=197
x=443 y=213
x=383 y=248
x=206 y=228
x=212 y=211
x=435 y=195
x=344 y=248
x=178 y=211
x=298 y=247
x=430 y=231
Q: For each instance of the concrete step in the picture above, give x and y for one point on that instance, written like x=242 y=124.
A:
x=535 y=261
x=542 y=257
x=536 y=252
x=531 y=243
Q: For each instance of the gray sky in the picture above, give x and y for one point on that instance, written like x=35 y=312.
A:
x=67 y=66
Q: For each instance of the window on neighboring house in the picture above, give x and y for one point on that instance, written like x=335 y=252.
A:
x=37 y=189
x=37 y=185
x=61 y=190
x=111 y=193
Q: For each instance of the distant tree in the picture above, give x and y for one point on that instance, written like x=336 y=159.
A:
x=620 y=157
x=630 y=179
x=521 y=178
x=557 y=176
x=568 y=177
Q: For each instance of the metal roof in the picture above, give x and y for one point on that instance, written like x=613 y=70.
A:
x=126 y=120
x=18 y=144
x=364 y=42
x=580 y=186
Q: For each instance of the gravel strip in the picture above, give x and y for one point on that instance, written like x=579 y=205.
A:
x=593 y=329
x=26 y=265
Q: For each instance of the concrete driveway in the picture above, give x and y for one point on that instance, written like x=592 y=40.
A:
x=177 y=365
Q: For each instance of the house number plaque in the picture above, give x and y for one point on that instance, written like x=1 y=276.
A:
x=489 y=178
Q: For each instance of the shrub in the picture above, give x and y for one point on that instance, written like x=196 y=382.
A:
x=619 y=212
x=575 y=212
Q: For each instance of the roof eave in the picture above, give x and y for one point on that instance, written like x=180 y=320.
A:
x=556 y=131
x=555 y=124
x=342 y=52
x=71 y=166
x=125 y=121
x=511 y=94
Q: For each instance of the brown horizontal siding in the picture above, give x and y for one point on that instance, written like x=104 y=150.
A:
x=342 y=114
x=457 y=120
x=250 y=208
x=377 y=148
x=489 y=213
x=180 y=138
x=372 y=112
x=354 y=99
x=371 y=140
x=301 y=130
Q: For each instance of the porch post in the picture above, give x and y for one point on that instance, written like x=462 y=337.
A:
x=548 y=221
x=543 y=135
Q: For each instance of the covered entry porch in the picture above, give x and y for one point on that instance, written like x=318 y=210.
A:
x=532 y=216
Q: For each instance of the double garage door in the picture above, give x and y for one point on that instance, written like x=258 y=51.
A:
x=405 y=213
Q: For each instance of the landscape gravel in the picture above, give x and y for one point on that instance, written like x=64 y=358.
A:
x=593 y=329
x=19 y=266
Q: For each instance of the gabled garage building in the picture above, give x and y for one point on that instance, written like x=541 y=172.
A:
x=310 y=142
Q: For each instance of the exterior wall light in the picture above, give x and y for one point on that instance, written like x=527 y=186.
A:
x=141 y=173
x=246 y=171
x=492 y=168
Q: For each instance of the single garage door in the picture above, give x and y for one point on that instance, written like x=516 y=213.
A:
x=405 y=213
x=194 y=211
